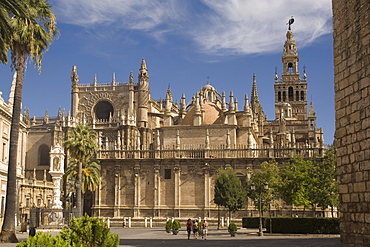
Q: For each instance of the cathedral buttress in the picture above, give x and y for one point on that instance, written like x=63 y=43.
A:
x=143 y=95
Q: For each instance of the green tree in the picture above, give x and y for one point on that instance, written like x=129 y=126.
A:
x=326 y=177
x=81 y=146
x=228 y=190
x=269 y=173
x=30 y=38
x=298 y=187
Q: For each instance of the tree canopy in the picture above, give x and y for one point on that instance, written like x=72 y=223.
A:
x=269 y=173
x=82 y=145
x=228 y=190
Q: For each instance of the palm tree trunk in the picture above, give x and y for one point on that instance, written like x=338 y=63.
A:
x=78 y=190
x=8 y=228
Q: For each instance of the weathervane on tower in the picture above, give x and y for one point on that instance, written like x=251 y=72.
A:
x=290 y=22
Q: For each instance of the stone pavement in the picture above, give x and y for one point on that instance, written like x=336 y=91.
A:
x=153 y=237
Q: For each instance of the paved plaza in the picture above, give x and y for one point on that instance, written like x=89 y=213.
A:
x=153 y=237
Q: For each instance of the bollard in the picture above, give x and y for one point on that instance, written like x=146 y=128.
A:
x=228 y=221
x=151 y=222
x=222 y=222
x=108 y=223
x=146 y=222
x=129 y=222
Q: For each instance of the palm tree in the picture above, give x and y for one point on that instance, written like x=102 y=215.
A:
x=8 y=8
x=90 y=174
x=31 y=37
x=81 y=146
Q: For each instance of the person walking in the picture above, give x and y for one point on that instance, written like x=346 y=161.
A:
x=189 y=227
x=205 y=229
x=195 y=229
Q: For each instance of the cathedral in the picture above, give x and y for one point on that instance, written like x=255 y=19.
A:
x=159 y=158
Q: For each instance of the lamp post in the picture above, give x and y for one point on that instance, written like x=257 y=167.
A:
x=259 y=191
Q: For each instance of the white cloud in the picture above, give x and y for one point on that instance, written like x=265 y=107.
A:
x=217 y=27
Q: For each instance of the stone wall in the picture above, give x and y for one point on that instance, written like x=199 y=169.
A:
x=352 y=103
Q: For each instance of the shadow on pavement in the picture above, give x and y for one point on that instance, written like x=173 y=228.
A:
x=301 y=242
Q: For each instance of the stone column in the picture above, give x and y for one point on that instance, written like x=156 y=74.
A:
x=207 y=194
x=156 y=191
x=177 y=190
x=117 y=191
x=137 y=191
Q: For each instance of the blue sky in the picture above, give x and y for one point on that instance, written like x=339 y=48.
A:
x=185 y=44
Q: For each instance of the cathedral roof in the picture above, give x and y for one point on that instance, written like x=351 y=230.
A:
x=212 y=114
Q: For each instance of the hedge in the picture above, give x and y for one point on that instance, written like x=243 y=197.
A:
x=295 y=225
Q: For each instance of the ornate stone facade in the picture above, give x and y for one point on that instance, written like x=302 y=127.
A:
x=352 y=103
x=159 y=159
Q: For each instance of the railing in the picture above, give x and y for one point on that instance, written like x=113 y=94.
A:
x=209 y=153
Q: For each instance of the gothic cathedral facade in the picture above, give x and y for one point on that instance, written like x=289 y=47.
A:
x=159 y=159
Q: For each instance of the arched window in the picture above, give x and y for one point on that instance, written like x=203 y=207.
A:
x=44 y=155
x=296 y=95
x=279 y=96
x=290 y=94
x=284 y=96
x=103 y=109
x=290 y=67
x=302 y=95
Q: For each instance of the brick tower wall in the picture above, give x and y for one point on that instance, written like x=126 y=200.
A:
x=352 y=104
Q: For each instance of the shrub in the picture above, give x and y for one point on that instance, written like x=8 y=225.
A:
x=42 y=239
x=176 y=225
x=169 y=226
x=232 y=227
x=90 y=232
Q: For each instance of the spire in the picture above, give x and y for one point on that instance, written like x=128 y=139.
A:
x=46 y=117
x=131 y=78
x=95 y=80
x=114 y=78
x=143 y=73
x=223 y=103
x=290 y=55
x=276 y=74
x=231 y=104
x=312 y=112
x=143 y=95
x=168 y=100
x=12 y=89
x=143 y=64
x=197 y=120
x=246 y=103
x=183 y=104
x=254 y=97
x=169 y=93
x=74 y=76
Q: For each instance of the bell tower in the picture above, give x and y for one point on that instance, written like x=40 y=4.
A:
x=291 y=90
